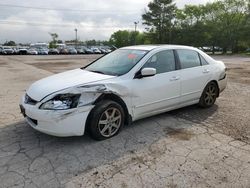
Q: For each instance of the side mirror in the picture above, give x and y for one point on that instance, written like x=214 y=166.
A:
x=147 y=72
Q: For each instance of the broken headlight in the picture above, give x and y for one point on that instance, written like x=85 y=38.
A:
x=61 y=102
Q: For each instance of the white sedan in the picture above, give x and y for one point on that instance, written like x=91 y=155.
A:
x=126 y=85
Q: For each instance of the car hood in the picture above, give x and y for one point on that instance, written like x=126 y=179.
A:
x=61 y=81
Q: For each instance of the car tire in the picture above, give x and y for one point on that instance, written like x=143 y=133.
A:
x=209 y=95
x=106 y=120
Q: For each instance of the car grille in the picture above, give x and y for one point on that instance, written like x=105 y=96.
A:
x=29 y=100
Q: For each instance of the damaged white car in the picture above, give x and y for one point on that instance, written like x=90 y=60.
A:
x=126 y=85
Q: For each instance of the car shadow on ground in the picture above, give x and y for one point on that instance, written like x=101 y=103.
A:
x=34 y=155
x=195 y=113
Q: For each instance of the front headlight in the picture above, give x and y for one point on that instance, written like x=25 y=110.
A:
x=61 y=102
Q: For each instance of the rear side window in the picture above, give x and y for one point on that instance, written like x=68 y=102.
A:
x=188 y=58
x=163 y=61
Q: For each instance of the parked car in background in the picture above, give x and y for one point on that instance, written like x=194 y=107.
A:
x=8 y=50
x=22 y=51
x=206 y=49
x=42 y=51
x=16 y=51
x=53 y=51
x=2 y=52
x=108 y=51
x=103 y=51
x=63 y=51
x=96 y=51
x=112 y=48
x=211 y=49
x=217 y=49
x=80 y=50
x=72 y=50
x=88 y=50
x=128 y=84
x=32 y=51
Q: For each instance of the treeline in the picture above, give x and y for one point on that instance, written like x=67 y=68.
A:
x=224 y=23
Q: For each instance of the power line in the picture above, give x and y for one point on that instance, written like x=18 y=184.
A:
x=69 y=10
x=14 y=22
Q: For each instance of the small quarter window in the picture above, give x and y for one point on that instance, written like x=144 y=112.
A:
x=203 y=61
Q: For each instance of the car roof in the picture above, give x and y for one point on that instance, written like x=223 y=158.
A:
x=152 y=47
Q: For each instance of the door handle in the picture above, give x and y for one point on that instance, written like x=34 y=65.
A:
x=174 y=78
x=206 y=71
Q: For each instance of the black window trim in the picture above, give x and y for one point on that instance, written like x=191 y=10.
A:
x=175 y=60
x=179 y=62
x=200 y=56
x=200 y=59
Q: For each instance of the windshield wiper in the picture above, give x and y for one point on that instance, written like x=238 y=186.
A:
x=106 y=73
x=97 y=72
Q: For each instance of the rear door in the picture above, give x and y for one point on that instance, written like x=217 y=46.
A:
x=195 y=74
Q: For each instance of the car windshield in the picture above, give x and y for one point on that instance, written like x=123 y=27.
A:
x=117 y=63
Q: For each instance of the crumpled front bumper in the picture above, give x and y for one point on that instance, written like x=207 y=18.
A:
x=56 y=122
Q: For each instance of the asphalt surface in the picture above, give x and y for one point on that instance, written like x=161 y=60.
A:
x=189 y=147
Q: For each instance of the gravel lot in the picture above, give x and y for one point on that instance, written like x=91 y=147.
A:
x=189 y=147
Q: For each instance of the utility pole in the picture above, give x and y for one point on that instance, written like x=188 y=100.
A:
x=136 y=25
x=135 y=31
x=76 y=38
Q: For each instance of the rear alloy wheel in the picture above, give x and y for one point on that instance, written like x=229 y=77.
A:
x=209 y=95
x=106 y=120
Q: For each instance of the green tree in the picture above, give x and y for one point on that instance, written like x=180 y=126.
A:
x=140 y=38
x=126 y=38
x=231 y=21
x=54 y=37
x=105 y=43
x=91 y=42
x=189 y=26
x=159 y=20
x=120 y=38
x=59 y=41
x=247 y=27
x=220 y=23
x=9 y=43
x=212 y=24
x=224 y=23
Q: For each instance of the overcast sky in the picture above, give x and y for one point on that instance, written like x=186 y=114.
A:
x=94 y=19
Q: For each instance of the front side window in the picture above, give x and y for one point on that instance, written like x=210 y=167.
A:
x=163 y=61
x=118 y=62
x=188 y=58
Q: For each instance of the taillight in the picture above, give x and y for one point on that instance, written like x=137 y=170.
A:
x=223 y=74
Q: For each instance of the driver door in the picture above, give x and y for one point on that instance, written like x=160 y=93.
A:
x=160 y=92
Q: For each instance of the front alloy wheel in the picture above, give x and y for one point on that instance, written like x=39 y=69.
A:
x=110 y=122
x=106 y=120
